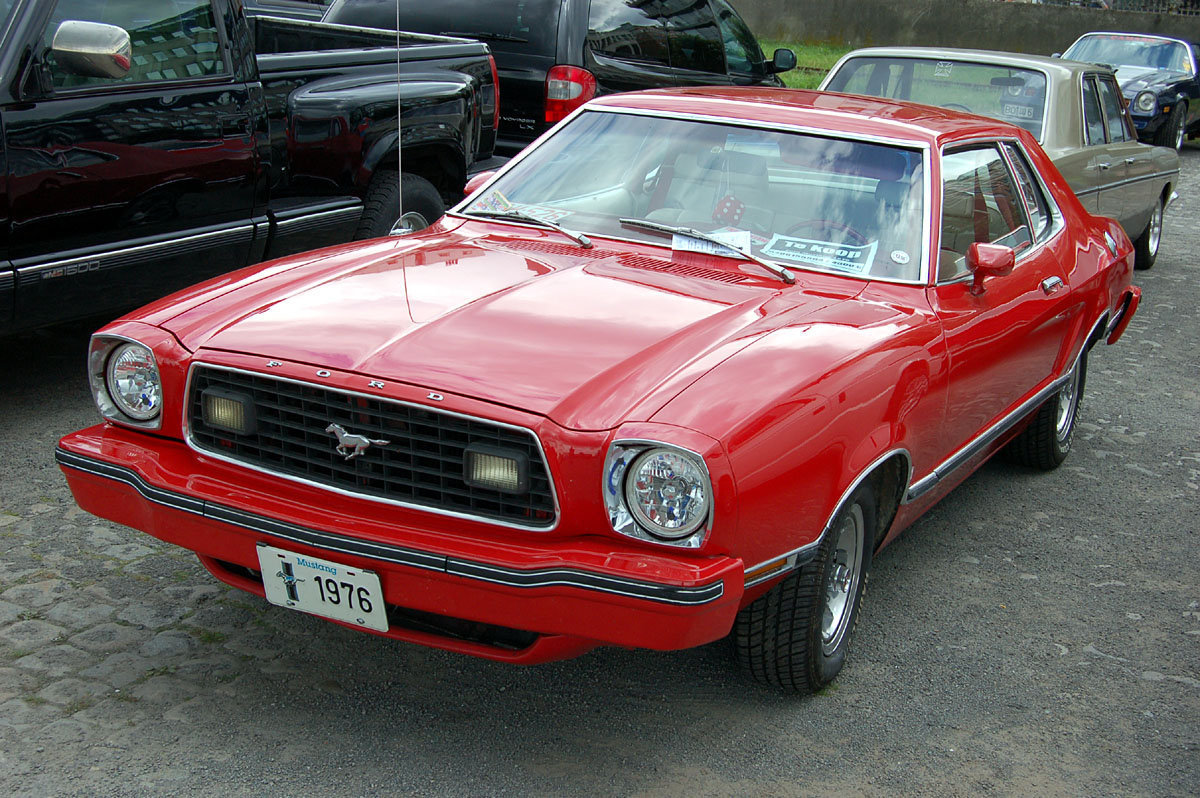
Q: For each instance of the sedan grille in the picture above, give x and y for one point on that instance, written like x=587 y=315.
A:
x=421 y=464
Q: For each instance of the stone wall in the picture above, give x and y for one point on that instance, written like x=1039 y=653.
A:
x=980 y=24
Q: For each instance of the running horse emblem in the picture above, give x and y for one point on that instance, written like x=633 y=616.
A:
x=348 y=442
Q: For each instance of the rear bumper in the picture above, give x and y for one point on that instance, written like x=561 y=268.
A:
x=572 y=594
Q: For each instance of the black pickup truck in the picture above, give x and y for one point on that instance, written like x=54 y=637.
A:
x=150 y=143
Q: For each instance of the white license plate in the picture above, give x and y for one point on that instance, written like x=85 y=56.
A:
x=321 y=587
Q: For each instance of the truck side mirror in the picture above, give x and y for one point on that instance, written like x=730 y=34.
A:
x=92 y=49
x=989 y=260
x=782 y=61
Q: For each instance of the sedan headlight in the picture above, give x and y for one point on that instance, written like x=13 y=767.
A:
x=125 y=381
x=1145 y=102
x=657 y=493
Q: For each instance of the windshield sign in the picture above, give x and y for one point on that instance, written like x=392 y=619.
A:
x=795 y=201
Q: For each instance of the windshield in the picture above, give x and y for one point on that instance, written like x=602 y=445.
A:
x=1007 y=93
x=521 y=26
x=801 y=201
x=1137 y=51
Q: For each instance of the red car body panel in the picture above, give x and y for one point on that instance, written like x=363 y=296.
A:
x=791 y=394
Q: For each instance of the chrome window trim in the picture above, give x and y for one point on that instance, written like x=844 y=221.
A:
x=973 y=447
x=199 y=450
x=800 y=556
x=458 y=211
x=400 y=555
x=1058 y=225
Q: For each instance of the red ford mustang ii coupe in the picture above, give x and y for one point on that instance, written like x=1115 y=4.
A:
x=674 y=374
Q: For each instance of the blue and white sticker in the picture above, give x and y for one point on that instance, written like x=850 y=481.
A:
x=822 y=254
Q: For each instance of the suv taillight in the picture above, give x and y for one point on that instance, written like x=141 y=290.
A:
x=495 y=93
x=567 y=88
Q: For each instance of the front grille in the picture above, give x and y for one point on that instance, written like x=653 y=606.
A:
x=422 y=463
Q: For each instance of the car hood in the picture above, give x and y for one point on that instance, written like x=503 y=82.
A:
x=581 y=336
x=1135 y=78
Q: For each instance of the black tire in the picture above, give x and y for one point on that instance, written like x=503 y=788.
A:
x=1046 y=442
x=782 y=638
x=1172 y=134
x=382 y=208
x=1145 y=249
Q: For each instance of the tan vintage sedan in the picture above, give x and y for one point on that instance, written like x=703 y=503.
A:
x=1074 y=109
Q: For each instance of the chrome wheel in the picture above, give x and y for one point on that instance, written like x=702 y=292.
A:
x=841 y=583
x=1154 y=233
x=1179 y=130
x=1068 y=396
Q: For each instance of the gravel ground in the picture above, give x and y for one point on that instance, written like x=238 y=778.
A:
x=1034 y=634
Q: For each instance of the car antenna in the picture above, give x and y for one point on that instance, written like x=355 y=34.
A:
x=405 y=222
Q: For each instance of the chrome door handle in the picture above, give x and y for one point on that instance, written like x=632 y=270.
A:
x=1105 y=166
x=1050 y=285
x=1130 y=161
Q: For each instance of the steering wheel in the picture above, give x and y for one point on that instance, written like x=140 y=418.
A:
x=957 y=107
x=828 y=225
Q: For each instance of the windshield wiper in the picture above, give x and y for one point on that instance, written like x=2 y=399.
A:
x=482 y=34
x=520 y=216
x=667 y=229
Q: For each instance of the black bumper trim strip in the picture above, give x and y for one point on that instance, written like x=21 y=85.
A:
x=467 y=569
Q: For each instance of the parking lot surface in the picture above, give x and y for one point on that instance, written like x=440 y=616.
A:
x=1034 y=634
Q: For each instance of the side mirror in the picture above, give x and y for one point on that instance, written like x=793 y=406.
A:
x=989 y=260
x=782 y=61
x=476 y=181
x=92 y=49
x=1056 y=55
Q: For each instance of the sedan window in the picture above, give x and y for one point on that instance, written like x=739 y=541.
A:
x=801 y=201
x=980 y=203
x=1114 y=111
x=1093 y=119
x=1036 y=205
x=1011 y=94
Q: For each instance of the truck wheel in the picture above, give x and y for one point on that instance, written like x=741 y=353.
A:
x=1046 y=442
x=1145 y=249
x=382 y=208
x=1171 y=134
x=795 y=636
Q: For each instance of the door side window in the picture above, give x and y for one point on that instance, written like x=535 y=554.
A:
x=1093 y=119
x=1114 y=110
x=169 y=39
x=743 y=55
x=632 y=31
x=980 y=203
x=696 y=42
x=1036 y=205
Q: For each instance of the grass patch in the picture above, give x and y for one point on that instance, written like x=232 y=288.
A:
x=812 y=61
x=35 y=700
x=208 y=635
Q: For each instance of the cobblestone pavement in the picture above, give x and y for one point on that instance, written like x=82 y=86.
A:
x=1034 y=634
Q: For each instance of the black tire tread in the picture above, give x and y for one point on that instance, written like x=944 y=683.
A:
x=1037 y=445
x=1165 y=135
x=379 y=210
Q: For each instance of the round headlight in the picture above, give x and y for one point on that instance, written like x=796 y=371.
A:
x=667 y=493
x=133 y=383
x=1145 y=102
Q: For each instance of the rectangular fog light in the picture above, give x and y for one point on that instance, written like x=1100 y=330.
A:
x=228 y=410
x=496 y=469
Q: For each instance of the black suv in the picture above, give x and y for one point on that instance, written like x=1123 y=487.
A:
x=555 y=55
